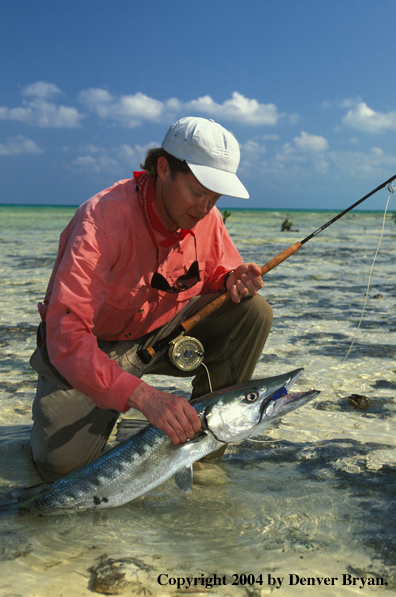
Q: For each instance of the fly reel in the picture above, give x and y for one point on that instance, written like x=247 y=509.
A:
x=186 y=353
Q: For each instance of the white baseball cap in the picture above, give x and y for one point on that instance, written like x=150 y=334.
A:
x=211 y=152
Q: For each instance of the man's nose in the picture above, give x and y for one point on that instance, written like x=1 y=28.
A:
x=204 y=206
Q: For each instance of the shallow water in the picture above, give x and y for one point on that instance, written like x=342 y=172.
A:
x=315 y=499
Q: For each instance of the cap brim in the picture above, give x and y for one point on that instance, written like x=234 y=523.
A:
x=219 y=181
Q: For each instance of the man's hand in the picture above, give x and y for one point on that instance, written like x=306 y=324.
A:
x=173 y=414
x=245 y=281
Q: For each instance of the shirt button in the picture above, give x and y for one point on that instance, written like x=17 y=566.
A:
x=141 y=310
x=128 y=335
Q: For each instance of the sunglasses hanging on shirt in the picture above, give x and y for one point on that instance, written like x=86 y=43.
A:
x=183 y=283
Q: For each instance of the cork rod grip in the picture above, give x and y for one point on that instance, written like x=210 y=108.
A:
x=280 y=258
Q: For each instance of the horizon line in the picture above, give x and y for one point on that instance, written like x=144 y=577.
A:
x=76 y=206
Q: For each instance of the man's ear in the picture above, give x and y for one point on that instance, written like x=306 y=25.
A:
x=163 y=169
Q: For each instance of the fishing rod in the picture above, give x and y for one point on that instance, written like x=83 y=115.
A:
x=187 y=353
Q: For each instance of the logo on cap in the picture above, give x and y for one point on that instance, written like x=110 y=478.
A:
x=225 y=153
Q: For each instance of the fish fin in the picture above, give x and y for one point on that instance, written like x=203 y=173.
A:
x=126 y=428
x=184 y=478
x=8 y=507
x=26 y=493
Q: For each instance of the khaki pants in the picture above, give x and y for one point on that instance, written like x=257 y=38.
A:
x=69 y=431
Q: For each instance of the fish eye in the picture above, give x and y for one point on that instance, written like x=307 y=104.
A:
x=252 y=396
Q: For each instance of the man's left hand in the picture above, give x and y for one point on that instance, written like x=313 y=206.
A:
x=245 y=281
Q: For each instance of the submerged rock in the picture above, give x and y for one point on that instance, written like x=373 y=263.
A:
x=115 y=576
x=14 y=545
x=358 y=401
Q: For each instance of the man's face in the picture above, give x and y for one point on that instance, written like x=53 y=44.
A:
x=182 y=201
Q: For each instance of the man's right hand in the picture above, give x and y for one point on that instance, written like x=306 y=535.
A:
x=169 y=412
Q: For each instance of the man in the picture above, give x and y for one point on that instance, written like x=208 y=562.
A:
x=134 y=262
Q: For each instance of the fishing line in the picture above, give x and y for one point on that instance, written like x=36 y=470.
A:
x=368 y=287
x=391 y=190
x=208 y=374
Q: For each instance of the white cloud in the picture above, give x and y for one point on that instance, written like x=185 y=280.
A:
x=85 y=161
x=126 y=151
x=19 y=145
x=96 y=159
x=90 y=148
x=314 y=143
x=252 y=147
x=133 y=110
x=130 y=110
x=305 y=147
x=360 y=163
x=363 y=118
x=305 y=155
x=37 y=111
x=251 y=152
x=98 y=100
x=239 y=109
x=138 y=152
x=98 y=163
x=293 y=118
x=141 y=106
x=292 y=165
x=40 y=107
x=41 y=89
x=350 y=102
x=271 y=137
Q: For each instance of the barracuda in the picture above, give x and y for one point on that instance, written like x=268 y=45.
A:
x=149 y=458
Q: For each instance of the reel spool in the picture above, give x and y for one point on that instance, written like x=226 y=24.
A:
x=186 y=353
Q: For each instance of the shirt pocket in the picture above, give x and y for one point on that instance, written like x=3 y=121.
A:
x=122 y=297
x=121 y=307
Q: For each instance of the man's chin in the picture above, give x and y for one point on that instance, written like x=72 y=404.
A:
x=193 y=221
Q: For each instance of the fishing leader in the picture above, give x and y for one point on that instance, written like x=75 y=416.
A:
x=135 y=261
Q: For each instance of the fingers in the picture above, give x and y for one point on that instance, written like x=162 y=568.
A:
x=174 y=416
x=247 y=281
x=181 y=423
x=180 y=429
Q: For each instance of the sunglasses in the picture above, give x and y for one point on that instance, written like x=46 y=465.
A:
x=184 y=282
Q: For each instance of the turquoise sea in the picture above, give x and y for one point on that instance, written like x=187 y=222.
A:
x=315 y=498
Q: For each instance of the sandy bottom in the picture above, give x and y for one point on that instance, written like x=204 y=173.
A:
x=316 y=499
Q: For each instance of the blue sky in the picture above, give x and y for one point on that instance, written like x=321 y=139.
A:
x=307 y=87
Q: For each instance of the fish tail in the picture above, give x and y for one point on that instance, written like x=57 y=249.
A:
x=24 y=495
x=10 y=506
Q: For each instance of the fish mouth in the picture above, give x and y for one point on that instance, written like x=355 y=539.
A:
x=282 y=397
x=291 y=401
x=301 y=397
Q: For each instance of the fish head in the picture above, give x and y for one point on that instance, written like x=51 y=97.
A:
x=245 y=410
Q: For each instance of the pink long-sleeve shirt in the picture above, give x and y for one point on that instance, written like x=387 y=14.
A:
x=100 y=287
